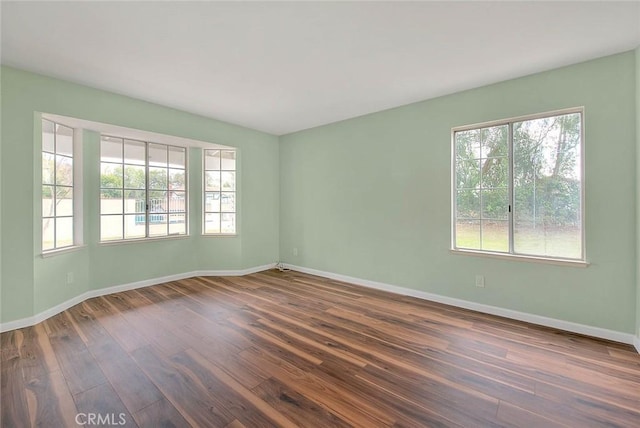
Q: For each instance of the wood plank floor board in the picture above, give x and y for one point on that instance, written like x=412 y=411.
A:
x=296 y=406
x=43 y=407
x=604 y=408
x=290 y=349
x=102 y=404
x=89 y=329
x=407 y=410
x=326 y=395
x=80 y=369
x=227 y=359
x=161 y=414
x=192 y=399
x=14 y=409
x=250 y=409
x=443 y=403
x=119 y=328
x=232 y=405
x=388 y=352
x=515 y=416
x=132 y=385
x=145 y=323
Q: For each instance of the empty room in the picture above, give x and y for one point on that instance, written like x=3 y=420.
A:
x=318 y=214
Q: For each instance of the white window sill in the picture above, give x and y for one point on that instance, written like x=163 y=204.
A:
x=143 y=240
x=65 y=250
x=219 y=235
x=518 y=257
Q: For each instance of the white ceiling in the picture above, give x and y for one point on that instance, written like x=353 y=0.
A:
x=283 y=67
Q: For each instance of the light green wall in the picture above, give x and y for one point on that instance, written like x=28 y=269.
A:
x=370 y=197
x=1 y=103
x=31 y=284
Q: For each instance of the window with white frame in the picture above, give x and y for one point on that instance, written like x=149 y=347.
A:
x=57 y=186
x=219 y=192
x=518 y=186
x=143 y=189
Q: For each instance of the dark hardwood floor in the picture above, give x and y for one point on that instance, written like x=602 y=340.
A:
x=289 y=349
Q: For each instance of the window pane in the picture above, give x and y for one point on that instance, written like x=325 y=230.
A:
x=494 y=141
x=177 y=179
x=48 y=168
x=158 y=201
x=110 y=149
x=134 y=226
x=135 y=201
x=495 y=204
x=157 y=155
x=64 y=232
x=212 y=223
x=228 y=223
x=47 y=136
x=64 y=140
x=111 y=201
x=494 y=172
x=47 y=234
x=177 y=202
x=48 y=205
x=228 y=159
x=64 y=201
x=110 y=227
x=228 y=202
x=134 y=177
x=468 y=204
x=212 y=159
x=212 y=202
x=212 y=180
x=57 y=191
x=543 y=240
x=64 y=170
x=134 y=152
x=177 y=157
x=142 y=182
x=110 y=175
x=547 y=186
x=158 y=178
x=177 y=224
x=468 y=144
x=468 y=234
x=467 y=173
x=495 y=235
x=228 y=180
x=158 y=225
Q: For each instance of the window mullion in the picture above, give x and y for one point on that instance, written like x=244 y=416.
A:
x=146 y=189
x=167 y=210
x=510 y=188
x=124 y=218
x=54 y=196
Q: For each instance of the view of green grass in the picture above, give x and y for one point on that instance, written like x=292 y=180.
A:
x=539 y=241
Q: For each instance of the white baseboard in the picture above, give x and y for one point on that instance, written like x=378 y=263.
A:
x=603 y=333
x=29 y=321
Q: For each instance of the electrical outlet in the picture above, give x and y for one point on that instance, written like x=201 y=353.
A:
x=295 y=251
x=69 y=277
x=479 y=281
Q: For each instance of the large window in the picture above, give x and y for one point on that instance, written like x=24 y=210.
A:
x=220 y=192
x=57 y=186
x=517 y=187
x=143 y=191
